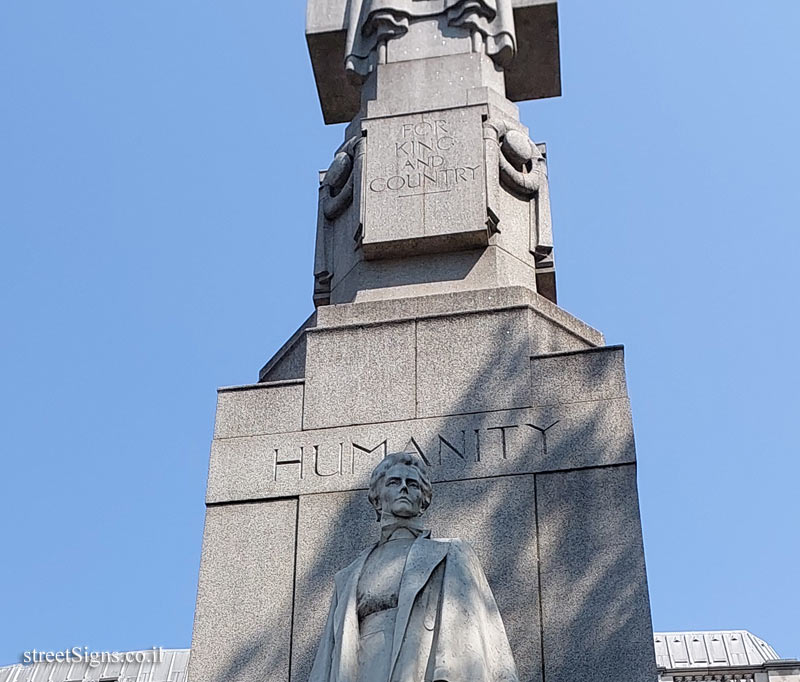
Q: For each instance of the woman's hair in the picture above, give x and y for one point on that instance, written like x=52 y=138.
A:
x=376 y=480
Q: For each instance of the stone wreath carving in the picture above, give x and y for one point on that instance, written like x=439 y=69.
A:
x=523 y=172
x=337 y=192
x=337 y=185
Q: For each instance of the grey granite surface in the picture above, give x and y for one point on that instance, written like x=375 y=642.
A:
x=551 y=438
x=265 y=408
x=242 y=624
x=360 y=375
x=595 y=605
x=596 y=374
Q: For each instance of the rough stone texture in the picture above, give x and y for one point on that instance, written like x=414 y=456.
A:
x=595 y=606
x=260 y=409
x=495 y=515
x=479 y=445
x=596 y=374
x=243 y=618
x=359 y=375
x=472 y=363
x=432 y=274
x=483 y=299
x=430 y=37
x=585 y=434
x=289 y=362
x=535 y=73
x=414 y=276
x=548 y=336
x=428 y=84
x=425 y=185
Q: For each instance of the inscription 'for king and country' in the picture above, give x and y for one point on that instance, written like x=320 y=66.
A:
x=421 y=152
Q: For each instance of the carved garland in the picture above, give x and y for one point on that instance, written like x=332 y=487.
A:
x=523 y=172
x=339 y=179
x=337 y=191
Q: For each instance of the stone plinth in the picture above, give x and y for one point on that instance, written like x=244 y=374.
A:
x=436 y=332
x=524 y=420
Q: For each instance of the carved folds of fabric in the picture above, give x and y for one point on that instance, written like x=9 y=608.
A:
x=371 y=22
x=338 y=182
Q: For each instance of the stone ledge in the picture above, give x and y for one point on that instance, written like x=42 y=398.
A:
x=442 y=305
x=461 y=302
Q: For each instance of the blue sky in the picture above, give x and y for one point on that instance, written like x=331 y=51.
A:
x=158 y=167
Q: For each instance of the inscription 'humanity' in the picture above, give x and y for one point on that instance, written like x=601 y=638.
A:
x=422 y=151
x=446 y=453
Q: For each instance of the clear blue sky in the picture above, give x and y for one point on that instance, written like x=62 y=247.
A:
x=158 y=165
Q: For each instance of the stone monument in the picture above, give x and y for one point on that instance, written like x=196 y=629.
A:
x=436 y=333
x=408 y=607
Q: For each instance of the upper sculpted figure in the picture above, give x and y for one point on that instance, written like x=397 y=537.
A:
x=373 y=22
x=411 y=608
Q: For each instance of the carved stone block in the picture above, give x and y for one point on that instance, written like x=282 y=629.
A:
x=594 y=589
x=577 y=377
x=424 y=184
x=499 y=443
x=360 y=375
x=473 y=363
x=244 y=594
x=535 y=72
x=269 y=409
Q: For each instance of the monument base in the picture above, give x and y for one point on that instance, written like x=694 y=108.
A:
x=523 y=418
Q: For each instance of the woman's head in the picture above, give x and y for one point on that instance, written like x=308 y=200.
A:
x=400 y=486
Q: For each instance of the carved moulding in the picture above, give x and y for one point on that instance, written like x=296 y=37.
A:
x=522 y=170
x=337 y=190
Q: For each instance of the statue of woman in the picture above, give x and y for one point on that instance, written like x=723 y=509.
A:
x=372 y=22
x=411 y=608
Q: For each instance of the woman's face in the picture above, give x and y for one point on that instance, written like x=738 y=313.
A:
x=401 y=495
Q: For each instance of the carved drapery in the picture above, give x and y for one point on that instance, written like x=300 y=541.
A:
x=337 y=191
x=373 y=22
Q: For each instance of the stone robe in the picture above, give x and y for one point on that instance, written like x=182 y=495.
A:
x=447 y=629
x=372 y=21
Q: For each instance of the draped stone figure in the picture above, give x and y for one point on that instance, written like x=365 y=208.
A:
x=372 y=22
x=411 y=608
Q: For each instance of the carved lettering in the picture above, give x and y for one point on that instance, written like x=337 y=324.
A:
x=338 y=471
x=413 y=446
x=277 y=462
x=421 y=151
x=446 y=443
x=503 y=439
x=543 y=431
x=454 y=449
x=368 y=451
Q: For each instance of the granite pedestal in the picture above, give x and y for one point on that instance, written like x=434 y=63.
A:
x=436 y=332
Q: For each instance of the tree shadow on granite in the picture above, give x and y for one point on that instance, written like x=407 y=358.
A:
x=561 y=549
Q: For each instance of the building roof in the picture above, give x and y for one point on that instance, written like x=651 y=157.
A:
x=674 y=650
x=718 y=648
x=149 y=665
